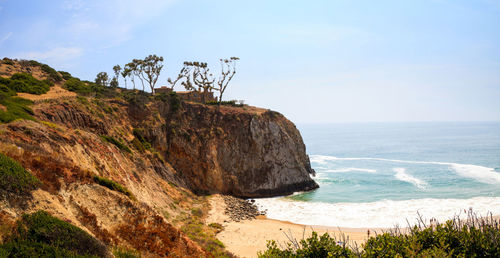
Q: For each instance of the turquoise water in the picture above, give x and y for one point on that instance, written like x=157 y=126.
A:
x=388 y=172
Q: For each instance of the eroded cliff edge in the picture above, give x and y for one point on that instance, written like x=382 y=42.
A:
x=241 y=151
x=123 y=165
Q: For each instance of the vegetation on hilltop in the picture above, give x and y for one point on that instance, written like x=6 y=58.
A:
x=25 y=82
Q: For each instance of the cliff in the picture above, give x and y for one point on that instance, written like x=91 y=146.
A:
x=124 y=165
x=241 y=151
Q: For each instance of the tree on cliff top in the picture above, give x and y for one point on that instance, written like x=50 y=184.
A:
x=150 y=70
x=180 y=76
x=102 y=79
x=117 y=69
x=137 y=69
x=228 y=69
x=130 y=71
x=198 y=73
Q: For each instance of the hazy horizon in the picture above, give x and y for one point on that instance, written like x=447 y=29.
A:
x=320 y=62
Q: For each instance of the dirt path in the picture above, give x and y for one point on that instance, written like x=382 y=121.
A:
x=55 y=92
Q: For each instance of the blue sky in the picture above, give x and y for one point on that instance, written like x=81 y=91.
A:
x=314 y=61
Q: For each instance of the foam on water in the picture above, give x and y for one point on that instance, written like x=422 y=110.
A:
x=479 y=173
x=384 y=213
x=403 y=176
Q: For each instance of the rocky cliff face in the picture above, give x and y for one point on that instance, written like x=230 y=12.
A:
x=160 y=152
x=242 y=151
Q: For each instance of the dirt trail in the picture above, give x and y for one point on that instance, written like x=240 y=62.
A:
x=55 y=92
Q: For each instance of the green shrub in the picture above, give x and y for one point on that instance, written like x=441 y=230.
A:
x=41 y=235
x=5 y=91
x=117 y=143
x=474 y=237
x=314 y=246
x=83 y=100
x=225 y=103
x=139 y=141
x=108 y=183
x=88 y=88
x=14 y=178
x=75 y=85
x=7 y=61
x=175 y=102
x=125 y=253
x=17 y=108
x=172 y=98
x=51 y=72
x=25 y=82
x=65 y=75
x=204 y=236
x=34 y=249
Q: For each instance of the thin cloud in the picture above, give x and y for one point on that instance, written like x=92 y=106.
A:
x=5 y=38
x=109 y=23
x=56 y=55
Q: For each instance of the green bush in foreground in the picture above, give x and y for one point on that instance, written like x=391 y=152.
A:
x=113 y=185
x=314 y=246
x=41 y=235
x=14 y=178
x=474 y=237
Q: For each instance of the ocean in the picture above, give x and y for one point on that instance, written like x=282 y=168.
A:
x=386 y=174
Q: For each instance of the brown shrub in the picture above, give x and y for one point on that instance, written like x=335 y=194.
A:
x=51 y=171
x=89 y=220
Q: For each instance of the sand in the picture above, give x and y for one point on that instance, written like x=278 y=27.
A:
x=246 y=238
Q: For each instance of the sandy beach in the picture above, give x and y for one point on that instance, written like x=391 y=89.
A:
x=246 y=238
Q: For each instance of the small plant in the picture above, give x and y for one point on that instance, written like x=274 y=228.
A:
x=120 y=252
x=226 y=103
x=218 y=227
x=108 y=183
x=83 y=100
x=139 y=141
x=49 y=124
x=197 y=212
x=117 y=143
x=41 y=235
x=14 y=178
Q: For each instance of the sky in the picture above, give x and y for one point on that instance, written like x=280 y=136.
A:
x=313 y=61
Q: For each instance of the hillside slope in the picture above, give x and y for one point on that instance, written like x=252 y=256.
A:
x=123 y=165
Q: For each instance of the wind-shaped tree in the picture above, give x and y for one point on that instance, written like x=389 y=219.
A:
x=198 y=73
x=150 y=70
x=228 y=69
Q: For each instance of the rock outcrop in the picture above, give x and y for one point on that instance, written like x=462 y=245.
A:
x=241 y=151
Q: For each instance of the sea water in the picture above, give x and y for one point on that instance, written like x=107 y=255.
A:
x=387 y=174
